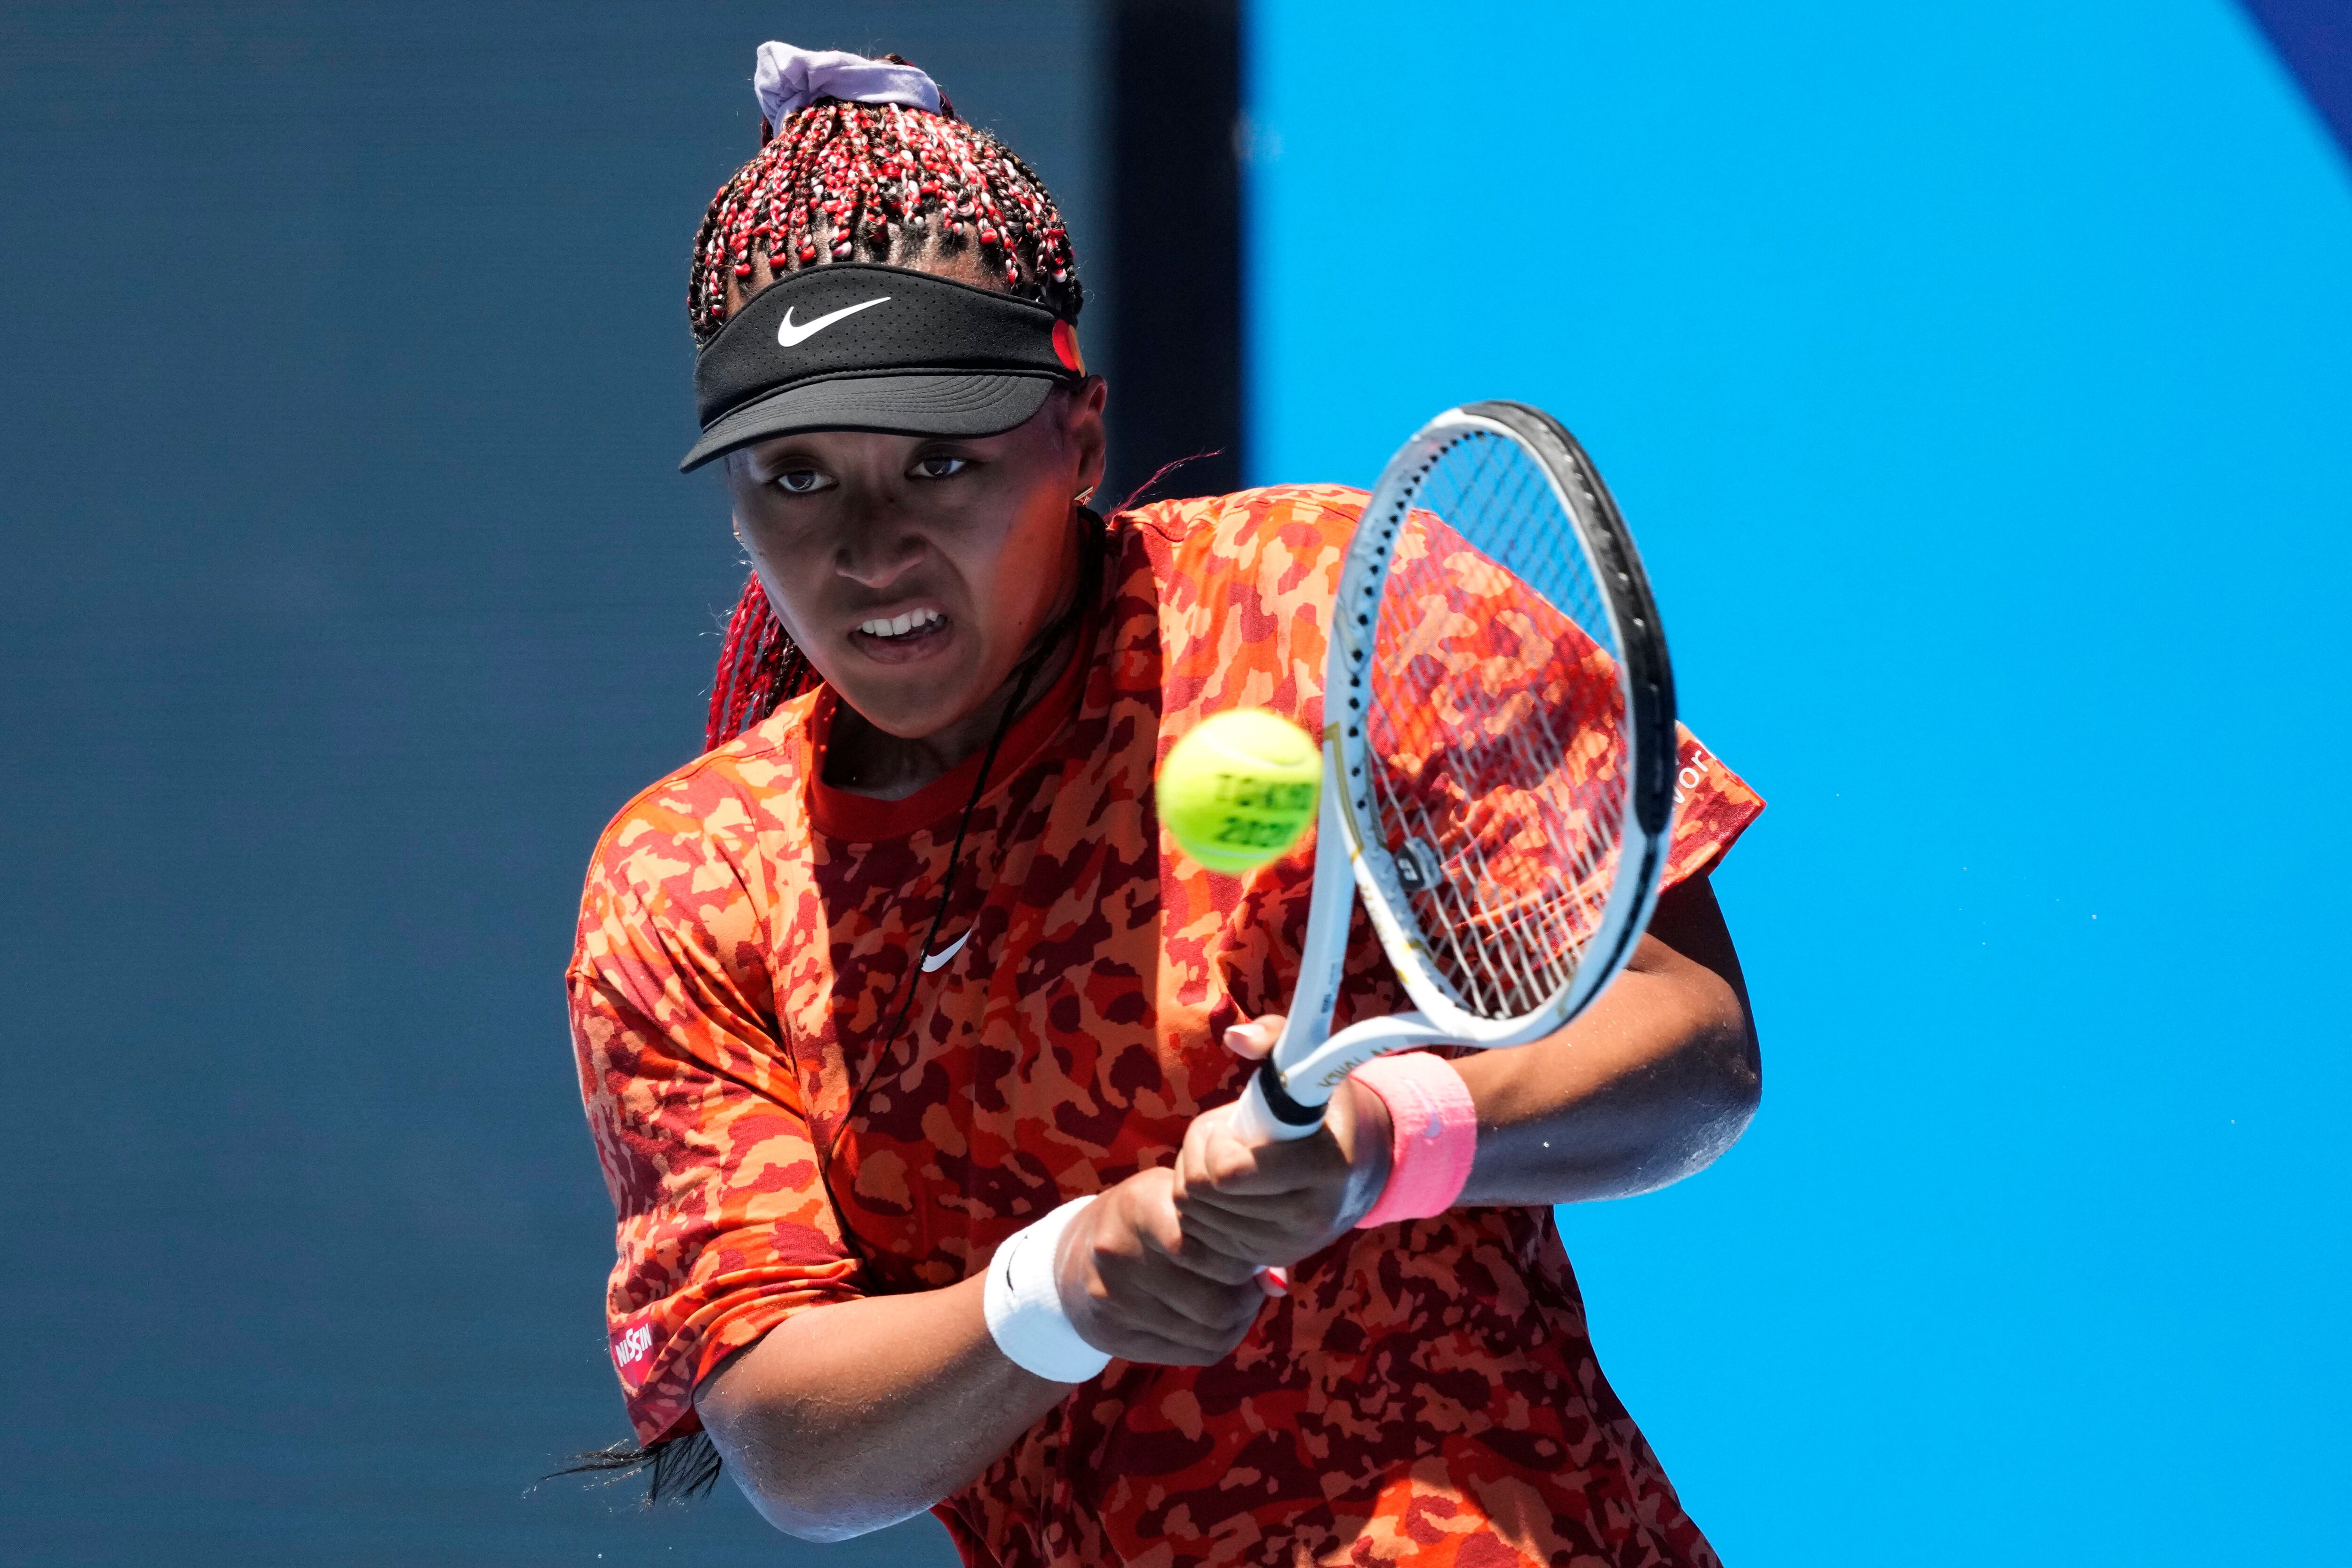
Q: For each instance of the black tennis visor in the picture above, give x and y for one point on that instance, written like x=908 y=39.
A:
x=859 y=346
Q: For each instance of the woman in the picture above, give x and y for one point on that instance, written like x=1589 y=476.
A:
x=903 y=971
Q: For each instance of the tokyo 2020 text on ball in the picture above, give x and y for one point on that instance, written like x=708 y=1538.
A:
x=1239 y=787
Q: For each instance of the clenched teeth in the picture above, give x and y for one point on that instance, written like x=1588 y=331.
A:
x=899 y=625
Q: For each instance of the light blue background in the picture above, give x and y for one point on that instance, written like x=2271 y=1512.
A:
x=1977 y=378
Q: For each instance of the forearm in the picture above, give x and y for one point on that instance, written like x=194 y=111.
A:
x=1657 y=1078
x=1616 y=1104
x=850 y=1416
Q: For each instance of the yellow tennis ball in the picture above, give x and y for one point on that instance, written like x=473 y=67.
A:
x=1239 y=787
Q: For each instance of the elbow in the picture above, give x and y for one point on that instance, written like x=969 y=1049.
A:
x=797 y=1522
x=1725 y=1088
x=1723 y=1115
x=812 y=1510
x=1701 y=1135
x=809 y=1490
x=821 y=1530
x=1737 y=1080
x=1701 y=1102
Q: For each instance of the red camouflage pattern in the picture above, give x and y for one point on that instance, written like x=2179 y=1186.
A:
x=1426 y=1394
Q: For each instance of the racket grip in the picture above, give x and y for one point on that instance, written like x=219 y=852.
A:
x=1268 y=1113
x=1253 y=1114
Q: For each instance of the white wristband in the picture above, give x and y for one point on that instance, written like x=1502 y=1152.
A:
x=1022 y=1303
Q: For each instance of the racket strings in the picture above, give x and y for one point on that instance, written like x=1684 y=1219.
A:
x=1479 y=758
x=1544 y=770
x=1499 y=973
x=1523 y=956
x=1518 y=939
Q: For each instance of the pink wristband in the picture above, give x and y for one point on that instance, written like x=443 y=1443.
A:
x=1435 y=1135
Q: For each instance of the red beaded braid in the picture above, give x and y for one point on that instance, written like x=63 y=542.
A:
x=860 y=182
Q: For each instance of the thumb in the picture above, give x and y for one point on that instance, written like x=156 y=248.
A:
x=1214 y=1153
x=1253 y=1041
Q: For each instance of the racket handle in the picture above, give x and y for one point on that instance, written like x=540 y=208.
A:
x=1254 y=1115
x=1269 y=1112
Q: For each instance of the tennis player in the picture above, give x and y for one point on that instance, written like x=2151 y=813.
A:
x=895 y=1010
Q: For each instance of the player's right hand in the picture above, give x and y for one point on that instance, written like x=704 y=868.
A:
x=1135 y=1287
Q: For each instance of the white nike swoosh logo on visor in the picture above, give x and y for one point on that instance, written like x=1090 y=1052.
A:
x=938 y=960
x=792 y=336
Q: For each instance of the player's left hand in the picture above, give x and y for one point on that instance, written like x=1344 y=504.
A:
x=1272 y=1204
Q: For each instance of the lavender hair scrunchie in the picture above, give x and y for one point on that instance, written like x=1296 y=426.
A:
x=789 y=78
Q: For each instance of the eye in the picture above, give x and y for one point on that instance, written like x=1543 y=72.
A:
x=940 y=468
x=800 y=482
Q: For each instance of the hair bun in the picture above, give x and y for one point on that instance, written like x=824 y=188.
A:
x=788 y=79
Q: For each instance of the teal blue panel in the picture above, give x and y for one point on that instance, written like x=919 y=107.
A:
x=1977 y=378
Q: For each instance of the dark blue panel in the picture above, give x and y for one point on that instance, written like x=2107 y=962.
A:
x=2316 y=37
x=347 y=587
x=1175 y=203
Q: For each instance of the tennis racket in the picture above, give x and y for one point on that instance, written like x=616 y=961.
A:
x=1499 y=756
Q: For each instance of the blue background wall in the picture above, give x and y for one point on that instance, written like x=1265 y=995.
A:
x=347 y=587
x=1979 y=380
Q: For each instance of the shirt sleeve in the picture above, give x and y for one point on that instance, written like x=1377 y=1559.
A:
x=1247 y=591
x=725 y=1227
x=1502 y=735
x=1713 y=806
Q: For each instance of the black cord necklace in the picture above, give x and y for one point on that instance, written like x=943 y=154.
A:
x=1091 y=548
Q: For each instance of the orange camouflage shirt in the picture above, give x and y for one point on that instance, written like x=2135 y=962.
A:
x=1426 y=1392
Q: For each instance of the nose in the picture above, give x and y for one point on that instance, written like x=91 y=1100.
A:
x=877 y=544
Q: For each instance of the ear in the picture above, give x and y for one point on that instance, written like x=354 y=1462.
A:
x=1082 y=426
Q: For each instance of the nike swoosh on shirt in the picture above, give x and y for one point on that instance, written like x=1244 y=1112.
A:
x=938 y=960
x=790 y=336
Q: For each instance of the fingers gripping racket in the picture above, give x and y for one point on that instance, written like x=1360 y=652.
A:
x=1499 y=751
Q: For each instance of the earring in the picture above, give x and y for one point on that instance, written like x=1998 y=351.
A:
x=1086 y=495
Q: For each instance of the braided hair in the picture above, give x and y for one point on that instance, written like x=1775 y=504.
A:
x=860 y=182
x=882 y=182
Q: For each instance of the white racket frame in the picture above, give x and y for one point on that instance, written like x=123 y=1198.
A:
x=1350 y=859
